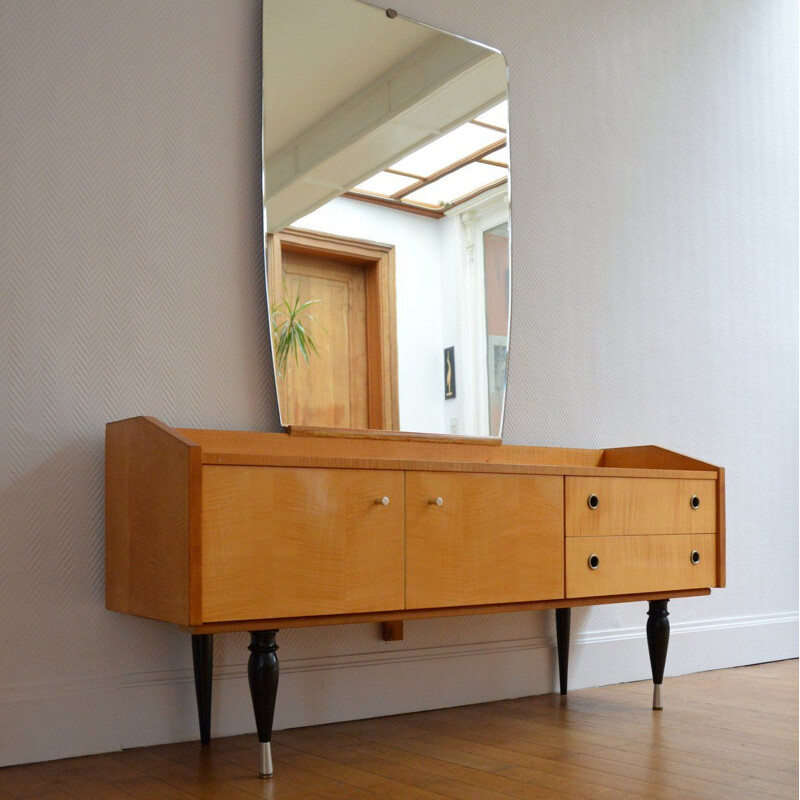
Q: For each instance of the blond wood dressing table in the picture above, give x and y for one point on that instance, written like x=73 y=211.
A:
x=221 y=531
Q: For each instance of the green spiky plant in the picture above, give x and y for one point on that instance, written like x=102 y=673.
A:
x=292 y=338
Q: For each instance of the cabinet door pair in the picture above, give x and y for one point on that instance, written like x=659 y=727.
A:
x=293 y=542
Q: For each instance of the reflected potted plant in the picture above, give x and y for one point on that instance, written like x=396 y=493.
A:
x=290 y=332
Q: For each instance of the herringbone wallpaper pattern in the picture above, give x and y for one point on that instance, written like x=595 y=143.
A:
x=654 y=297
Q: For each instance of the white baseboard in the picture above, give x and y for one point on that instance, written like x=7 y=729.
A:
x=72 y=718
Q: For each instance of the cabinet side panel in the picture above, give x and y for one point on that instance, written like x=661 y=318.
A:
x=116 y=519
x=149 y=497
x=721 y=529
x=650 y=457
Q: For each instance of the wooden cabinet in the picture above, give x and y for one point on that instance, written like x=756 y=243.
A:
x=216 y=530
x=289 y=542
x=479 y=539
x=221 y=531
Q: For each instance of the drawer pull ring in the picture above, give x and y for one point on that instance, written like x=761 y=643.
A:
x=436 y=501
x=384 y=501
x=695 y=502
x=594 y=561
x=695 y=557
x=593 y=501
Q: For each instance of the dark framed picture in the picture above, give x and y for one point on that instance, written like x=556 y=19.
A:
x=449 y=373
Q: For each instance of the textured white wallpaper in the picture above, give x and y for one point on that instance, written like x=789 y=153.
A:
x=655 y=296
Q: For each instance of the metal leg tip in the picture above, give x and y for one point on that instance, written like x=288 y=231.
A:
x=657 y=697
x=265 y=760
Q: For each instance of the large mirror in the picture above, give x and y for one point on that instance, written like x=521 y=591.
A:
x=386 y=217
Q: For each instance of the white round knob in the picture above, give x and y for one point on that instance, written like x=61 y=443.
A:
x=436 y=501
x=384 y=501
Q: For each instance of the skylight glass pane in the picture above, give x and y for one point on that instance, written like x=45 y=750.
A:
x=500 y=155
x=459 y=143
x=463 y=181
x=384 y=183
x=496 y=116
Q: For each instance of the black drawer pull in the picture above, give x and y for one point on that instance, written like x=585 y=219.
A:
x=594 y=561
x=695 y=557
x=695 y=502
x=593 y=501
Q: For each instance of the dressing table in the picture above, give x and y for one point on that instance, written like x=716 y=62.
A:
x=223 y=531
x=389 y=496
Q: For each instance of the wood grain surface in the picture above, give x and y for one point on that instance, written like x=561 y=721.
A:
x=494 y=539
x=639 y=564
x=152 y=501
x=288 y=542
x=635 y=506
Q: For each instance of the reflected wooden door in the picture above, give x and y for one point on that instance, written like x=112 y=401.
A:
x=331 y=389
x=350 y=382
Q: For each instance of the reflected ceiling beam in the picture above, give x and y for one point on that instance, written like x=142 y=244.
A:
x=441 y=86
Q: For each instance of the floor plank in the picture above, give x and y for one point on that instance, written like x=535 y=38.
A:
x=723 y=735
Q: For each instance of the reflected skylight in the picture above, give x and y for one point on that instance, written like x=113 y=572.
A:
x=500 y=156
x=386 y=184
x=456 y=166
x=454 y=146
x=464 y=181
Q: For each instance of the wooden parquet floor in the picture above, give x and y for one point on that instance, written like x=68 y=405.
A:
x=730 y=734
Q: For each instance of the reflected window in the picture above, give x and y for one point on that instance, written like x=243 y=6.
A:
x=452 y=169
x=497 y=286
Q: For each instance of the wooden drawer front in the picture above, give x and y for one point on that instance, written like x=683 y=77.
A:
x=635 y=564
x=290 y=542
x=494 y=539
x=638 y=506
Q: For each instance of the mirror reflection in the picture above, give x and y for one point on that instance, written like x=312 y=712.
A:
x=386 y=207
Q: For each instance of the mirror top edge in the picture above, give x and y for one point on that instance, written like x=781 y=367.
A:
x=388 y=11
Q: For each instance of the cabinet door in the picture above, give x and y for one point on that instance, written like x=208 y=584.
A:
x=493 y=539
x=290 y=542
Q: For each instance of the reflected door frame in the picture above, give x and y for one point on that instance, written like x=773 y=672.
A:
x=484 y=213
x=378 y=263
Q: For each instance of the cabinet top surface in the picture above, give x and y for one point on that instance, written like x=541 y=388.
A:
x=363 y=450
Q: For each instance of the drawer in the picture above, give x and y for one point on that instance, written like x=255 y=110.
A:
x=483 y=539
x=291 y=542
x=637 y=564
x=639 y=506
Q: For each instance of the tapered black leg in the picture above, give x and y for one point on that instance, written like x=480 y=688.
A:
x=563 y=616
x=262 y=672
x=203 y=658
x=657 y=643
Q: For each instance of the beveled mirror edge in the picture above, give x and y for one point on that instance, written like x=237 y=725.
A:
x=370 y=433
